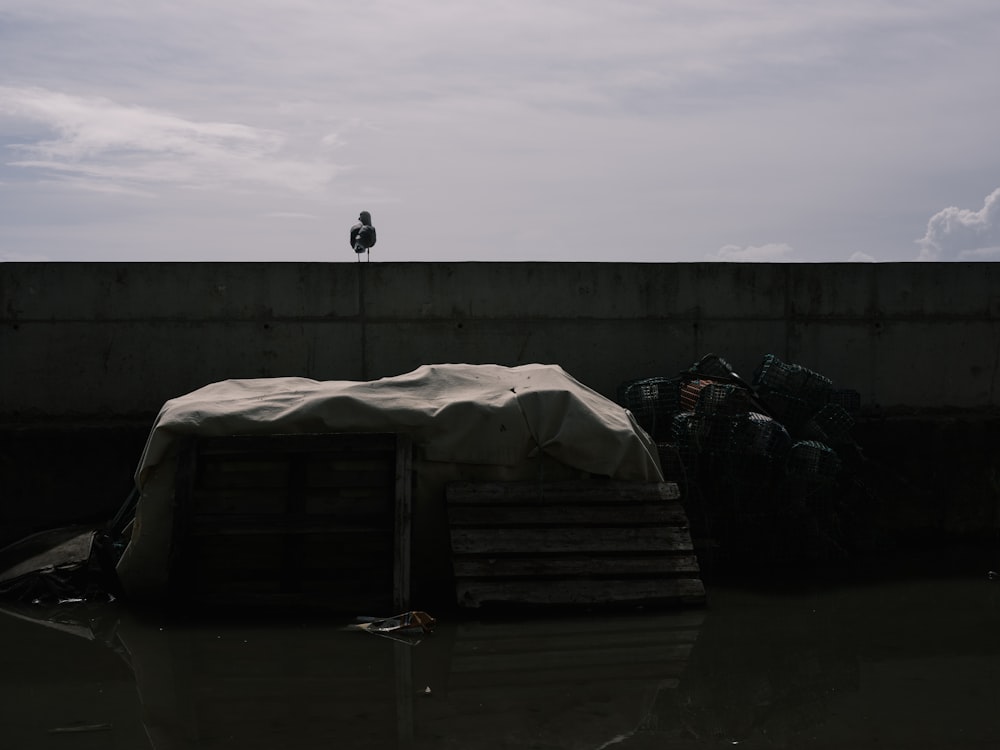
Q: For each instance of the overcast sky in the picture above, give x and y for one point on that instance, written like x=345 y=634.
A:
x=581 y=130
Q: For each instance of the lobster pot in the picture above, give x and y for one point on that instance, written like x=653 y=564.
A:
x=757 y=451
x=674 y=469
x=684 y=432
x=713 y=366
x=759 y=435
x=791 y=411
x=813 y=462
x=653 y=402
x=722 y=399
x=715 y=434
x=831 y=425
x=759 y=440
x=774 y=375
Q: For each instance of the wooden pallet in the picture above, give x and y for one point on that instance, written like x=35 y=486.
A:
x=586 y=542
x=319 y=519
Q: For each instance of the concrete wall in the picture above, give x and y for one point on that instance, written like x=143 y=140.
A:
x=88 y=340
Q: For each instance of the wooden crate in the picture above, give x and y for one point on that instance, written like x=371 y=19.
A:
x=318 y=519
x=586 y=542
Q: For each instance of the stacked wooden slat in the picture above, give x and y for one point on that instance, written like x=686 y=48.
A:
x=580 y=542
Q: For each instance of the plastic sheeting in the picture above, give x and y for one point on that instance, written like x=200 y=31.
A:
x=498 y=420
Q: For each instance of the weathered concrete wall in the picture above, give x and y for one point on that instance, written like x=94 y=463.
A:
x=86 y=340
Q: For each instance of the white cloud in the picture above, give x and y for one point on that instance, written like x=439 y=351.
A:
x=115 y=147
x=962 y=234
x=861 y=258
x=769 y=253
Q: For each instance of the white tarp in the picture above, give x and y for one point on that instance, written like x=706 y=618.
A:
x=483 y=415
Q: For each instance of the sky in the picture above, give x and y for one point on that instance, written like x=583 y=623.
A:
x=547 y=130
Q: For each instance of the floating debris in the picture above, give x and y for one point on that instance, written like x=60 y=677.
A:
x=409 y=627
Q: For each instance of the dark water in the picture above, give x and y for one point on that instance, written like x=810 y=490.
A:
x=912 y=664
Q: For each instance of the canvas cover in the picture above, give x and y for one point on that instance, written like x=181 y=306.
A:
x=494 y=418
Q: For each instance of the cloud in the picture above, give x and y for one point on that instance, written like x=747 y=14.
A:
x=961 y=234
x=861 y=258
x=103 y=143
x=770 y=253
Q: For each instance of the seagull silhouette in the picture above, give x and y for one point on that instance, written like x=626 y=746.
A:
x=363 y=235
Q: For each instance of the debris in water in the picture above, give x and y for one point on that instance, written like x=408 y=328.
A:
x=408 y=627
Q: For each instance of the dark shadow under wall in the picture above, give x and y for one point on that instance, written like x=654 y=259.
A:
x=54 y=474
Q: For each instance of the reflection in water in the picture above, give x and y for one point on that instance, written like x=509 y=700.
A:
x=900 y=664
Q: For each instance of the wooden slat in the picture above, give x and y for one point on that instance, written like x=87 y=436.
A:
x=237 y=500
x=293 y=518
x=346 y=502
x=577 y=542
x=612 y=591
x=499 y=541
x=219 y=473
x=356 y=476
x=577 y=492
x=352 y=503
x=575 y=566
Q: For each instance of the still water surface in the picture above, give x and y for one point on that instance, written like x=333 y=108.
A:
x=912 y=664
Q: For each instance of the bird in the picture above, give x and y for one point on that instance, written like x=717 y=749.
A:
x=363 y=235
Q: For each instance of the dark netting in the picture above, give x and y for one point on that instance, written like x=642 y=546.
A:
x=756 y=453
x=722 y=399
x=759 y=435
x=621 y=394
x=758 y=465
x=672 y=464
x=813 y=462
x=682 y=427
x=712 y=366
x=714 y=434
x=831 y=425
x=794 y=380
x=790 y=410
x=653 y=402
x=684 y=435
